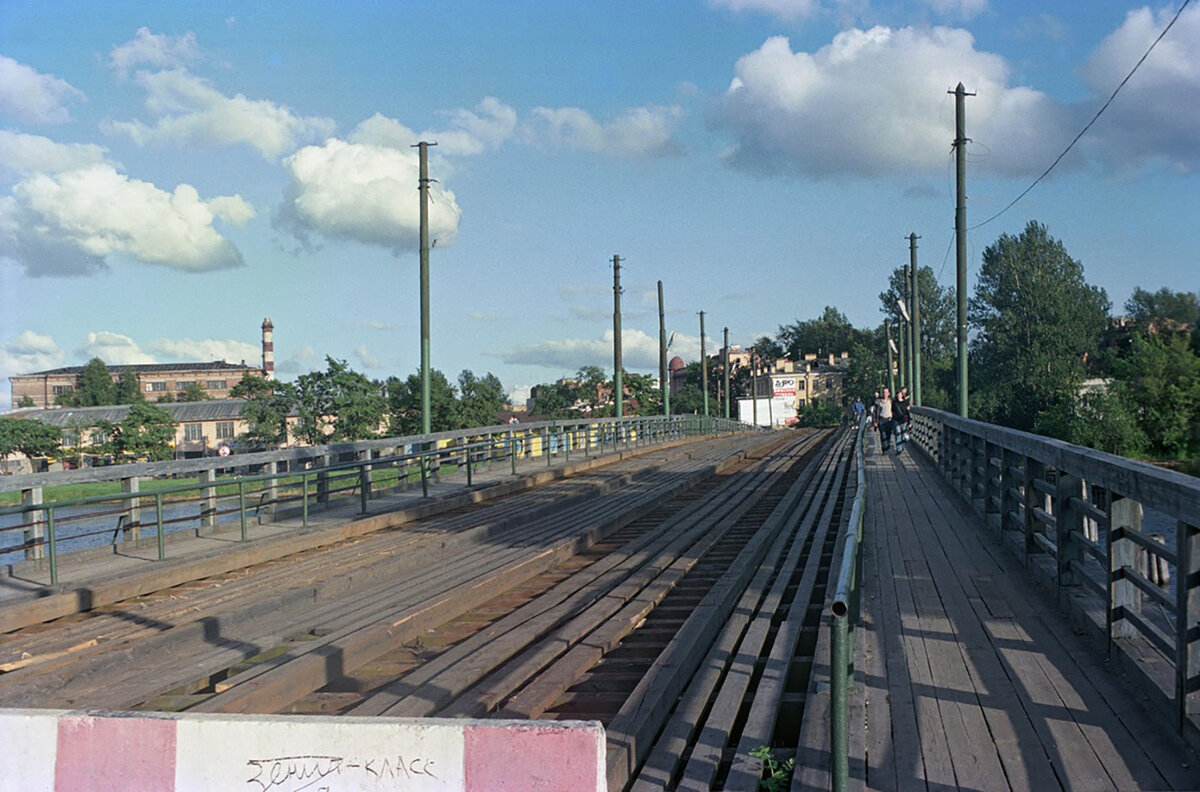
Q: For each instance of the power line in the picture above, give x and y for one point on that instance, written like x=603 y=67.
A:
x=1089 y=123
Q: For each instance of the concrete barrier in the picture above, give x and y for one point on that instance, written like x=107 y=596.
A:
x=71 y=751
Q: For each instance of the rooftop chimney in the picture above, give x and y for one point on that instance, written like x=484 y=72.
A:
x=268 y=348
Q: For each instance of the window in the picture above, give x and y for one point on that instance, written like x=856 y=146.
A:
x=192 y=432
x=70 y=438
x=182 y=386
x=224 y=430
x=156 y=387
x=59 y=390
x=99 y=437
x=215 y=385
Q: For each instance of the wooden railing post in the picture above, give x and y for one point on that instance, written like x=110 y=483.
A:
x=133 y=510
x=1187 y=643
x=321 y=462
x=1124 y=514
x=1034 y=499
x=1068 y=525
x=35 y=534
x=208 y=499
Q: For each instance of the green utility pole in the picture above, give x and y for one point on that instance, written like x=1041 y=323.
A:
x=725 y=368
x=664 y=382
x=902 y=370
x=423 y=187
x=914 y=288
x=891 y=346
x=618 y=378
x=703 y=364
x=960 y=234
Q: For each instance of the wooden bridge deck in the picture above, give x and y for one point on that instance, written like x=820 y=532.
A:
x=968 y=676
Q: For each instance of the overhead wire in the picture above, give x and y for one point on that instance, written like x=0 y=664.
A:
x=1099 y=112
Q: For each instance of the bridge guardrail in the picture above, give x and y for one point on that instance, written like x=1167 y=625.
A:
x=314 y=472
x=1075 y=515
x=846 y=608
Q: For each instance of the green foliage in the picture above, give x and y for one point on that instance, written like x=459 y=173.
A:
x=1100 y=419
x=404 y=404
x=822 y=412
x=480 y=400
x=26 y=401
x=1160 y=380
x=1038 y=320
x=643 y=389
x=96 y=386
x=126 y=390
x=146 y=433
x=865 y=374
x=356 y=403
x=832 y=332
x=29 y=437
x=939 y=343
x=265 y=410
x=193 y=393
x=1180 y=307
x=777 y=776
x=556 y=400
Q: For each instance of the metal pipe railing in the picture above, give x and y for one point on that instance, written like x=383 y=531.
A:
x=846 y=610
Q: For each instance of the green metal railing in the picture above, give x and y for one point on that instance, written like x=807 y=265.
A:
x=464 y=451
x=847 y=601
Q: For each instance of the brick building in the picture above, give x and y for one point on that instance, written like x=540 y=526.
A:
x=154 y=380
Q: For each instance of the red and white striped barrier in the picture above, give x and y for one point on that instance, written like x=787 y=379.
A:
x=69 y=751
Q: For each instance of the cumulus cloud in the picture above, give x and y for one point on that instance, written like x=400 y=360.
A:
x=190 y=112
x=32 y=97
x=24 y=154
x=640 y=132
x=155 y=50
x=1156 y=117
x=475 y=131
x=114 y=349
x=28 y=352
x=70 y=222
x=639 y=351
x=873 y=103
x=783 y=9
x=363 y=191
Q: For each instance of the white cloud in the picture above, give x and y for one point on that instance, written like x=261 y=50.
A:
x=638 y=350
x=69 y=223
x=190 y=112
x=783 y=9
x=29 y=352
x=1157 y=114
x=367 y=360
x=204 y=350
x=24 y=154
x=32 y=97
x=963 y=9
x=114 y=349
x=640 y=132
x=363 y=192
x=475 y=131
x=873 y=103
x=155 y=50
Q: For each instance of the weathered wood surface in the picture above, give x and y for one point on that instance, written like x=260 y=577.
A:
x=970 y=678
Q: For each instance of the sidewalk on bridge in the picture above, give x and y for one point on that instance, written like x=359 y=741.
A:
x=99 y=576
x=967 y=675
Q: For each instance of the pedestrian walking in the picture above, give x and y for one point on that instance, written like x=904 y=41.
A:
x=881 y=418
x=902 y=418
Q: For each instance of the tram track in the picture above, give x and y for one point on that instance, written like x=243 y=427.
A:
x=675 y=603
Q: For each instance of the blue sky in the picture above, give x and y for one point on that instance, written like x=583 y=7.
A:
x=171 y=173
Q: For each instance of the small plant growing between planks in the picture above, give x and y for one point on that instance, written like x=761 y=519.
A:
x=778 y=775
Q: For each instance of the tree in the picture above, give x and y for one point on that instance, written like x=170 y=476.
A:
x=1180 y=307
x=355 y=404
x=1160 y=380
x=250 y=386
x=939 y=340
x=96 y=386
x=266 y=411
x=480 y=400
x=404 y=404
x=193 y=393
x=127 y=391
x=643 y=389
x=27 y=436
x=26 y=401
x=1037 y=321
x=146 y=432
x=832 y=332
x=555 y=400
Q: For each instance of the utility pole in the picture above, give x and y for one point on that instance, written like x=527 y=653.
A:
x=664 y=383
x=754 y=383
x=703 y=364
x=423 y=187
x=914 y=288
x=902 y=369
x=960 y=234
x=725 y=368
x=618 y=378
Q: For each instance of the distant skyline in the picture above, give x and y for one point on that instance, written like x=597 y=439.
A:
x=174 y=173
